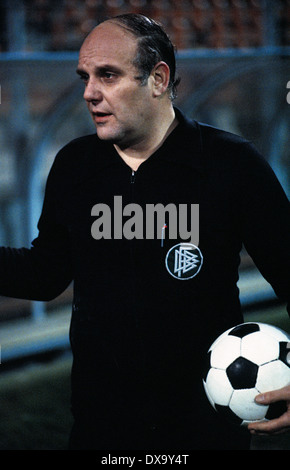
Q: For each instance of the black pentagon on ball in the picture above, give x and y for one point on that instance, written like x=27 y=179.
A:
x=284 y=353
x=242 y=373
x=227 y=413
x=243 y=330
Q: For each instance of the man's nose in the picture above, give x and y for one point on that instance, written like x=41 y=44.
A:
x=92 y=92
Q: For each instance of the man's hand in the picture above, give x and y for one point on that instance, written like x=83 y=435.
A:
x=273 y=426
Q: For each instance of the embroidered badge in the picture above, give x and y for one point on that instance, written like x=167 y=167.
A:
x=184 y=261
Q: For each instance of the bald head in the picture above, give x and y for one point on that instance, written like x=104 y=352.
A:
x=152 y=46
x=108 y=40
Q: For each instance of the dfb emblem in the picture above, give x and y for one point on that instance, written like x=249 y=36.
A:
x=184 y=261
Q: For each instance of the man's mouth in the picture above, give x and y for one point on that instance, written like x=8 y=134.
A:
x=101 y=116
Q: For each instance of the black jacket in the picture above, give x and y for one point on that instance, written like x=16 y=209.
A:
x=138 y=334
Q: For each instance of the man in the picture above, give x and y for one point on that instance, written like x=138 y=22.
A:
x=146 y=309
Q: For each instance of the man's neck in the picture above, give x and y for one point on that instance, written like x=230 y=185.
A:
x=134 y=155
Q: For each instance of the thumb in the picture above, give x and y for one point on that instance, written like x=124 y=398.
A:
x=273 y=396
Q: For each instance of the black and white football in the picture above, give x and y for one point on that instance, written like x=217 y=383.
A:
x=244 y=361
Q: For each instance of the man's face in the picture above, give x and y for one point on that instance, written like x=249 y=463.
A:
x=119 y=105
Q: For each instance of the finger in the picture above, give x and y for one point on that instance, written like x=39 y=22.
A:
x=274 y=395
x=273 y=426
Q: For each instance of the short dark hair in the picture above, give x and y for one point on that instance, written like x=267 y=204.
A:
x=154 y=45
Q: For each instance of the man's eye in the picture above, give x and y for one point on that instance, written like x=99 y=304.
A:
x=84 y=78
x=109 y=76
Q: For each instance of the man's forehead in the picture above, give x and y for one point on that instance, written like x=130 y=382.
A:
x=109 y=41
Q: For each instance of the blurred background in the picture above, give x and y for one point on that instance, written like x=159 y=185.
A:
x=234 y=62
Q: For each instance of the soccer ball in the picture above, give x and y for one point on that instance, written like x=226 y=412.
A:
x=244 y=361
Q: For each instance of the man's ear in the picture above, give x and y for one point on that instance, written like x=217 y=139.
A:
x=161 y=76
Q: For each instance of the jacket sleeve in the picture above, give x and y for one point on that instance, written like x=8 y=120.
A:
x=265 y=221
x=43 y=271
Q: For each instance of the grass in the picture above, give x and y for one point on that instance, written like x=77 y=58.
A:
x=34 y=407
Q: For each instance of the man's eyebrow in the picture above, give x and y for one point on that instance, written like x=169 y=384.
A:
x=81 y=72
x=99 y=70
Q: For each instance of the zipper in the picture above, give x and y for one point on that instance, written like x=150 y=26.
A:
x=132 y=188
x=133 y=177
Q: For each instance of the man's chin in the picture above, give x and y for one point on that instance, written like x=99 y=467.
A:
x=109 y=136
x=103 y=134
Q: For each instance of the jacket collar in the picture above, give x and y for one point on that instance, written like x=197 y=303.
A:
x=182 y=147
x=184 y=144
